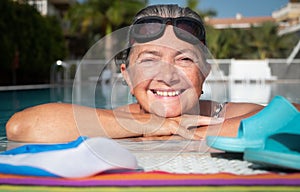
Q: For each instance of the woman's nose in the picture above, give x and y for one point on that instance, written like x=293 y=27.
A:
x=167 y=73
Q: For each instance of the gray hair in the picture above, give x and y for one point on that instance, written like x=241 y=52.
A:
x=167 y=10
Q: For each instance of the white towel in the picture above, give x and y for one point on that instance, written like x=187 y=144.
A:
x=81 y=158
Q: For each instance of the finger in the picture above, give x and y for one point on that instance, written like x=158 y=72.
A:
x=187 y=134
x=190 y=121
x=161 y=138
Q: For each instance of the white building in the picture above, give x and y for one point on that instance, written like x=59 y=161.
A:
x=288 y=17
x=52 y=7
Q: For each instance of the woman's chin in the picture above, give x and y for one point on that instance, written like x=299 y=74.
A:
x=166 y=114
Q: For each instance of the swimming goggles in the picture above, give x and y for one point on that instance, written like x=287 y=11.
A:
x=152 y=27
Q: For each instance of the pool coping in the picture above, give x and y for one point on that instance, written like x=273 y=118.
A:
x=25 y=87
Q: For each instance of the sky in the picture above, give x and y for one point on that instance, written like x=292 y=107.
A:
x=229 y=8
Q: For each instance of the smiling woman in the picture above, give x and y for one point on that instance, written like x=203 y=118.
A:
x=165 y=68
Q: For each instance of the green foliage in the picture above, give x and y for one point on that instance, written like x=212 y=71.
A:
x=38 y=40
x=254 y=43
x=93 y=19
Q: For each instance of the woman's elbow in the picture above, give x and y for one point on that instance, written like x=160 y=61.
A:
x=44 y=123
x=16 y=128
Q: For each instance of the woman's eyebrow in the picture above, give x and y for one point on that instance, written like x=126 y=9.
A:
x=187 y=51
x=150 y=52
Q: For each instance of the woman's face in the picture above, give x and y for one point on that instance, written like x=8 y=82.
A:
x=164 y=75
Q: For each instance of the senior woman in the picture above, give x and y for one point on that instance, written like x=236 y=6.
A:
x=165 y=69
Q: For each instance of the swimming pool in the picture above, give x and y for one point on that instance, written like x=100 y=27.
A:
x=18 y=98
x=111 y=96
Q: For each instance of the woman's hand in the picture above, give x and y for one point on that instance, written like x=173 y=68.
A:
x=159 y=126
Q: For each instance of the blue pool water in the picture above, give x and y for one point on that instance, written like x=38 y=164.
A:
x=16 y=100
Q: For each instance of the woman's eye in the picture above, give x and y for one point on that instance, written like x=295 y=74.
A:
x=187 y=59
x=147 y=60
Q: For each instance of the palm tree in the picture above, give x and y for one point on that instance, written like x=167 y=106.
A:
x=254 y=43
x=94 y=19
x=265 y=43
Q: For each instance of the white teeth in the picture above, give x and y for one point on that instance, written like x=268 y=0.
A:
x=167 y=93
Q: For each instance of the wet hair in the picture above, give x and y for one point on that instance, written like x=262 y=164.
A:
x=165 y=10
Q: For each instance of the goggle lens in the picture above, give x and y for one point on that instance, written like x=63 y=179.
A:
x=151 y=28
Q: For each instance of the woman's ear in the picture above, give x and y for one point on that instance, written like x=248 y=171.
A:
x=126 y=76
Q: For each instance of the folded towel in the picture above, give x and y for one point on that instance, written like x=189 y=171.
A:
x=81 y=158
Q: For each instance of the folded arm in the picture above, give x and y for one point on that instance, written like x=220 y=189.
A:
x=58 y=122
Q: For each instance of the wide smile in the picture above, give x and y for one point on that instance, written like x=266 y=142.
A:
x=166 y=93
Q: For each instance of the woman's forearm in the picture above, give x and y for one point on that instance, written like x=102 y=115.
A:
x=57 y=122
x=63 y=122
